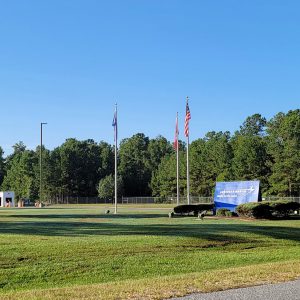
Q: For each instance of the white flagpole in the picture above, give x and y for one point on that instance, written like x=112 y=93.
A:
x=116 y=149
x=187 y=172
x=187 y=164
x=177 y=157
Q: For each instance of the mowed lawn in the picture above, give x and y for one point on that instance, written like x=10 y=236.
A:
x=76 y=252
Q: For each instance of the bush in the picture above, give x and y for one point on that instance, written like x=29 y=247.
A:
x=283 y=208
x=202 y=214
x=183 y=209
x=171 y=214
x=207 y=206
x=222 y=212
x=230 y=214
x=267 y=209
x=192 y=208
x=254 y=210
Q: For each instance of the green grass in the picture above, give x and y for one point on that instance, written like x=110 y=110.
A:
x=66 y=247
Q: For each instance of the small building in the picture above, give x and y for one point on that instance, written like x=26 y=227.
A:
x=7 y=199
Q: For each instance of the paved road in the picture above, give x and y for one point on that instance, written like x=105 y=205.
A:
x=281 y=291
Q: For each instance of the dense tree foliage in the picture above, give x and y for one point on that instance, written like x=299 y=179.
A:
x=21 y=173
x=2 y=166
x=265 y=150
x=250 y=159
x=284 y=146
x=106 y=187
x=134 y=166
x=250 y=156
x=254 y=125
x=139 y=158
x=164 y=181
x=210 y=160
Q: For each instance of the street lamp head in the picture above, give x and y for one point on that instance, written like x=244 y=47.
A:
x=44 y=123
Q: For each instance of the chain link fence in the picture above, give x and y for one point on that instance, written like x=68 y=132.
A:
x=128 y=200
x=77 y=200
x=278 y=198
x=149 y=200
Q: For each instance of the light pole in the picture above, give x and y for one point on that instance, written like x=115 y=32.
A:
x=41 y=152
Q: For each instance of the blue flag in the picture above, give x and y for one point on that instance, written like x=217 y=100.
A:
x=115 y=125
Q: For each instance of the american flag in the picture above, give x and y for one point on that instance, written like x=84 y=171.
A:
x=187 y=119
x=175 y=144
x=115 y=125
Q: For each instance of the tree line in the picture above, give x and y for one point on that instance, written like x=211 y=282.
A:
x=263 y=150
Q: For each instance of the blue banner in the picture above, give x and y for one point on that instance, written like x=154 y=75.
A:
x=230 y=194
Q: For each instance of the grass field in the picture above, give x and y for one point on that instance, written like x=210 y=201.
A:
x=80 y=253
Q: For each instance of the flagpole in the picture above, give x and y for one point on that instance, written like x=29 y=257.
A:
x=187 y=172
x=187 y=164
x=116 y=169
x=177 y=159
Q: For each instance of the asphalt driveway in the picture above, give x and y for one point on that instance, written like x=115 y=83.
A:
x=279 y=291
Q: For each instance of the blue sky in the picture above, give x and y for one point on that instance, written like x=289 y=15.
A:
x=68 y=62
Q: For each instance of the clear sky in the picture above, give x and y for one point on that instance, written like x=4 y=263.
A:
x=66 y=62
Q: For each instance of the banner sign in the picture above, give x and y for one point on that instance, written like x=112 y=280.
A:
x=230 y=194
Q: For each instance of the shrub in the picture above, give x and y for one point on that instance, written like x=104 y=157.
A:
x=283 y=208
x=206 y=206
x=202 y=214
x=222 y=212
x=254 y=210
x=230 y=214
x=171 y=215
x=192 y=208
x=183 y=209
x=267 y=209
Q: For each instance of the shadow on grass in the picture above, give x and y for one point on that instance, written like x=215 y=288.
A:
x=88 y=216
x=235 y=232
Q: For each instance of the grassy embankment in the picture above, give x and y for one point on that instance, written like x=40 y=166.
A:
x=72 y=253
